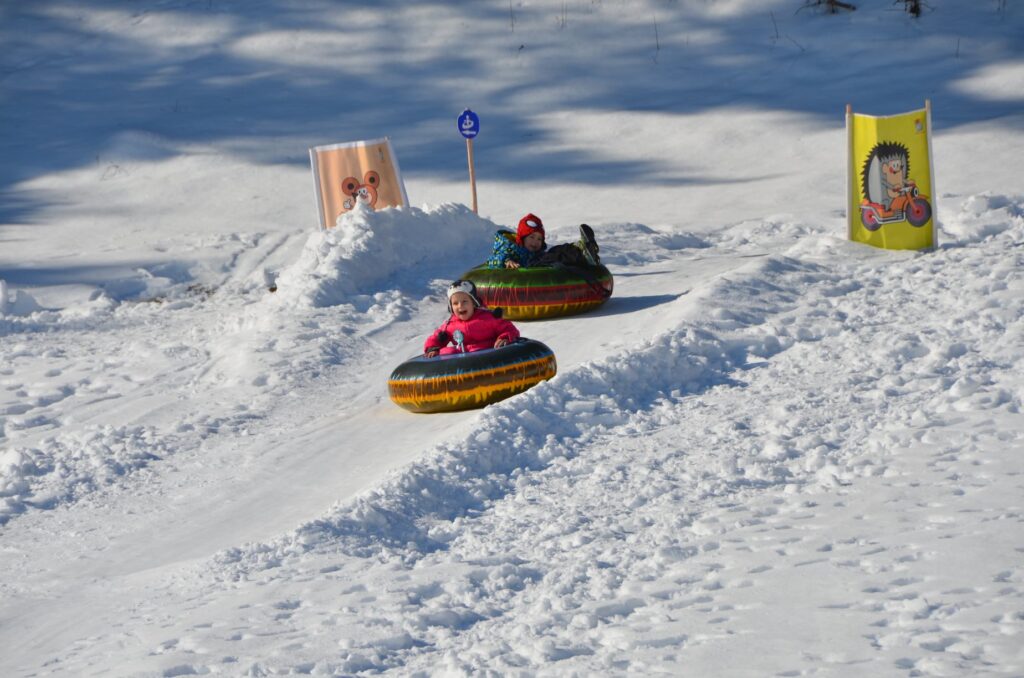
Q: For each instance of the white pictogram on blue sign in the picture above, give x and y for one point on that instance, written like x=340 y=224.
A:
x=469 y=124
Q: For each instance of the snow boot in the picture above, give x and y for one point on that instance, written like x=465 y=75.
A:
x=588 y=245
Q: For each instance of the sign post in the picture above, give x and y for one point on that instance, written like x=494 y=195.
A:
x=469 y=127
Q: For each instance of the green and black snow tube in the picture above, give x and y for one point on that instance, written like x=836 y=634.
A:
x=541 y=291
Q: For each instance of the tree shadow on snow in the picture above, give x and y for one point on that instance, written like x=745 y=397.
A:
x=265 y=82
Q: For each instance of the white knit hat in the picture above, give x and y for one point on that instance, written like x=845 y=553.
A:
x=466 y=287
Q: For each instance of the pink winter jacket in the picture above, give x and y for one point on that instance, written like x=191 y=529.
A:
x=480 y=332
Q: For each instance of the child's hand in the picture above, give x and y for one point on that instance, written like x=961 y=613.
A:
x=502 y=341
x=432 y=352
x=511 y=264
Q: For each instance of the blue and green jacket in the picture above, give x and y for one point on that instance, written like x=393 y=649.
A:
x=505 y=248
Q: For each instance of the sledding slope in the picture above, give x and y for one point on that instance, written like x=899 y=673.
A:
x=637 y=485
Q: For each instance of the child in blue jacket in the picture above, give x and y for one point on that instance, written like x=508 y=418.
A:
x=526 y=247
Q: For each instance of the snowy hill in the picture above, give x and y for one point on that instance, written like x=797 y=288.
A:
x=772 y=452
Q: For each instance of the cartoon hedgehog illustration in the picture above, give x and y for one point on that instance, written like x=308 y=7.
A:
x=889 y=193
x=885 y=172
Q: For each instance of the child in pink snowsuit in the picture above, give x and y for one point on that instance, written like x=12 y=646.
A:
x=470 y=327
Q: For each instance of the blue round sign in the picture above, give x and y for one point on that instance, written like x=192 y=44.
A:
x=469 y=124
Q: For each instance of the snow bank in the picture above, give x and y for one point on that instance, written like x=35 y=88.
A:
x=68 y=466
x=982 y=216
x=16 y=302
x=369 y=250
x=632 y=244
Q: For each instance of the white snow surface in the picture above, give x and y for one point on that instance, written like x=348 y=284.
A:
x=773 y=452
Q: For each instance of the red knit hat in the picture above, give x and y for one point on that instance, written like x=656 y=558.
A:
x=531 y=223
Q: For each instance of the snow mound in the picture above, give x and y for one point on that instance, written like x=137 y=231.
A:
x=368 y=250
x=636 y=244
x=983 y=216
x=16 y=302
x=68 y=466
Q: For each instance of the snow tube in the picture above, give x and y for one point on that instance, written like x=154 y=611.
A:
x=463 y=381
x=539 y=291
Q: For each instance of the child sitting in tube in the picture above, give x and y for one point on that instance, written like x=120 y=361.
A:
x=527 y=247
x=471 y=327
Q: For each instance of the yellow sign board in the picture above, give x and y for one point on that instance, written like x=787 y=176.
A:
x=891 y=193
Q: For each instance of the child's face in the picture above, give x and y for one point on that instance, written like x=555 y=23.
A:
x=462 y=305
x=533 y=242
